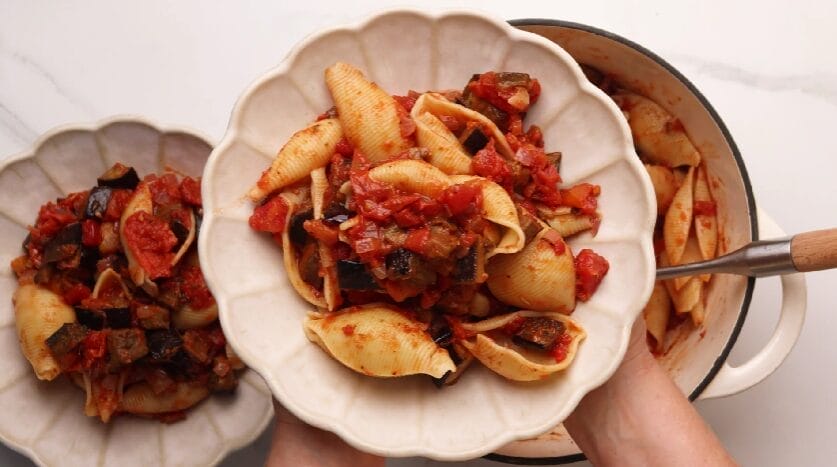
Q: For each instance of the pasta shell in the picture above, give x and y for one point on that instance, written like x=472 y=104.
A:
x=498 y=208
x=39 y=312
x=412 y=176
x=537 y=277
x=291 y=259
x=678 y=221
x=308 y=149
x=656 y=314
x=698 y=312
x=446 y=152
x=140 y=202
x=659 y=136
x=328 y=267
x=687 y=296
x=107 y=281
x=190 y=318
x=691 y=254
x=439 y=106
x=190 y=238
x=139 y=399
x=706 y=225
x=570 y=224
x=104 y=396
x=665 y=185
x=378 y=340
x=369 y=115
x=501 y=355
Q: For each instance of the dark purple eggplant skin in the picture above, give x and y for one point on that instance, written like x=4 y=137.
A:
x=163 y=345
x=126 y=177
x=401 y=263
x=336 y=214
x=470 y=269
x=66 y=339
x=475 y=140
x=64 y=245
x=92 y=319
x=180 y=231
x=296 y=229
x=118 y=318
x=127 y=345
x=538 y=333
x=440 y=330
x=353 y=275
x=97 y=202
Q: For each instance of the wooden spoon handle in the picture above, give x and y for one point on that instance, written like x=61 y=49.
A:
x=815 y=251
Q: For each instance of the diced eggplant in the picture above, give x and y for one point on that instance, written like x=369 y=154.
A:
x=26 y=242
x=127 y=345
x=97 y=202
x=470 y=269
x=528 y=223
x=65 y=245
x=510 y=79
x=353 y=275
x=119 y=176
x=404 y=265
x=473 y=139
x=470 y=100
x=92 y=319
x=163 y=345
x=440 y=330
x=296 y=230
x=197 y=345
x=153 y=316
x=183 y=365
x=224 y=384
x=118 y=317
x=461 y=360
x=309 y=265
x=336 y=214
x=538 y=333
x=66 y=339
x=180 y=231
x=554 y=158
x=442 y=241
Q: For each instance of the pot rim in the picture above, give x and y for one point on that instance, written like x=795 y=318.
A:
x=748 y=189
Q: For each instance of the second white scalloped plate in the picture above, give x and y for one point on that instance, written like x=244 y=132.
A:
x=45 y=420
x=262 y=315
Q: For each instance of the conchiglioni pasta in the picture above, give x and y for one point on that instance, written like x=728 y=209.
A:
x=428 y=219
x=111 y=295
x=688 y=228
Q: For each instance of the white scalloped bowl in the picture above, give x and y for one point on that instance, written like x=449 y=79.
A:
x=262 y=315
x=44 y=420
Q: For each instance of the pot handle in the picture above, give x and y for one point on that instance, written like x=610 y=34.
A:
x=731 y=380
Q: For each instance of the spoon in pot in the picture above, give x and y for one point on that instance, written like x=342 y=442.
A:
x=810 y=251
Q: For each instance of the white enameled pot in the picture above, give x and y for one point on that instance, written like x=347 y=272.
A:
x=697 y=359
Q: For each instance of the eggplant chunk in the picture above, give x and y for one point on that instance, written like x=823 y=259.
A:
x=470 y=269
x=180 y=231
x=510 y=79
x=163 y=345
x=440 y=330
x=97 y=202
x=554 y=158
x=528 y=223
x=66 y=339
x=118 y=318
x=353 y=275
x=119 y=176
x=404 y=265
x=127 y=345
x=64 y=245
x=538 y=333
x=473 y=139
x=336 y=214
x=296 y=230
x=153 y=316
x=92 y=319
x=309 y=265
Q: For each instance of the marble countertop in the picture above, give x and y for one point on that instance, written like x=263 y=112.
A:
x=765 y=66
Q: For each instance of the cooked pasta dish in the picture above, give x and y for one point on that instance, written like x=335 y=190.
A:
x=427 y=230
x=687 y=224
x=111 y=295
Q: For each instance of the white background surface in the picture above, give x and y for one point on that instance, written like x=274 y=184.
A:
x=767 y=67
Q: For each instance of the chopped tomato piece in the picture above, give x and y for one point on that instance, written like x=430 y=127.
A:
x=91 y=233
x=582 y=196
x=322 y=232
x=417 y=240
x=562 y=347
x=150 y=240
x=462 y=199
x=194 y=288
x=93 y=347
x=190 y=191
x=270 y=216
x=165 y=189
x=116 y=204
x=487 y=163
x=76 y=293
x=590 y=269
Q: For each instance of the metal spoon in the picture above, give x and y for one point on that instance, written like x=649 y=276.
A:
x=810 y=251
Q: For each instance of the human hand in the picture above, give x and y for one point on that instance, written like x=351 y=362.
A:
x=296 y=443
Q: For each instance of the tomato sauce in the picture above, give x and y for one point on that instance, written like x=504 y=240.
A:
x=151 y=242
x=590 y=269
